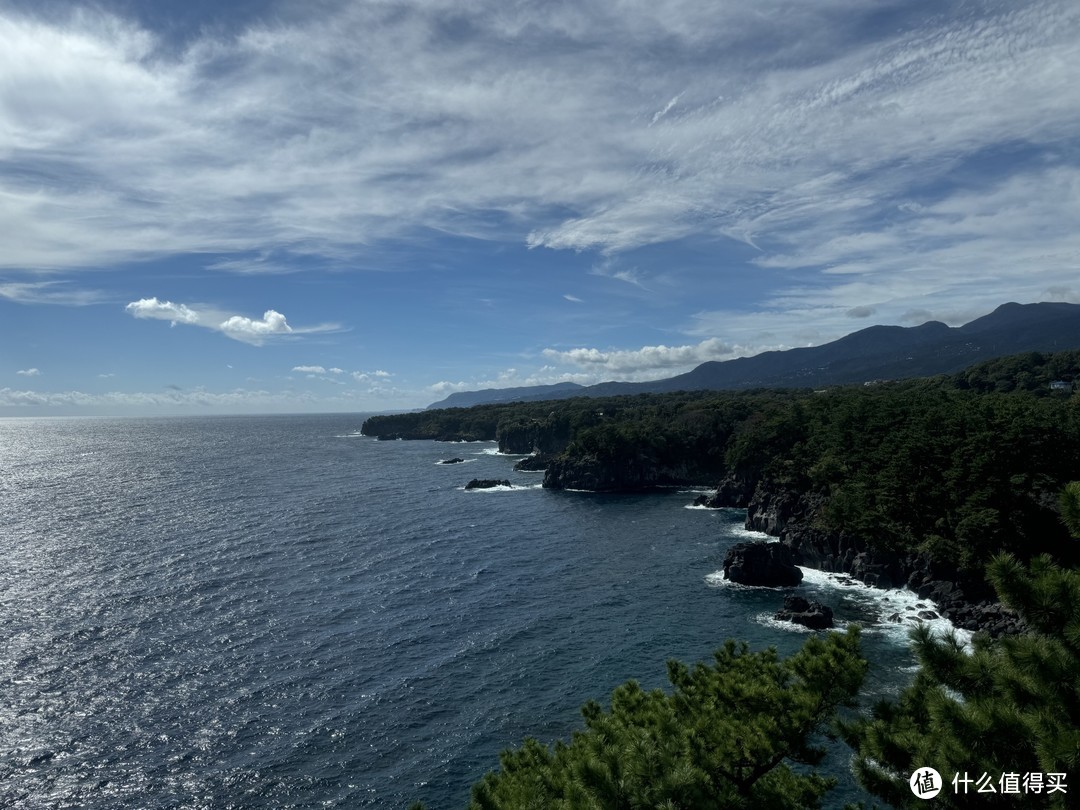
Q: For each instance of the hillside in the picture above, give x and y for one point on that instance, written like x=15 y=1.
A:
x=874 y=353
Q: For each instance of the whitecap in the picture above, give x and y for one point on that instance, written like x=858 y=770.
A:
x=511 y=488
x=717 y=580
x=881 y=603
x=750 y=534
x=885 y=603
x=769 y=620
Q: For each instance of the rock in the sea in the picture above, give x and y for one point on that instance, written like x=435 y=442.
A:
x=534 y=463
x=814 y=615
x=759 y=563
x=452 y=461
x=487 y=483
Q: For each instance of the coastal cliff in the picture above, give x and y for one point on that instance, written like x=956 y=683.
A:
x=793 y=517
x=629 y=473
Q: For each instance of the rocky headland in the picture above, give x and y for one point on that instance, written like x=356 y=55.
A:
x=969 y=603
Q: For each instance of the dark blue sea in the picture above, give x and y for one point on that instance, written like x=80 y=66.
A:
x=234 y=612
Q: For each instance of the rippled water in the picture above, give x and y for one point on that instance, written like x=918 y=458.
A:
x=277 y=612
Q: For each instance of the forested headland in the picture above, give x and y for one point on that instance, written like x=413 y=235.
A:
x=937 y=474
x=957 y=486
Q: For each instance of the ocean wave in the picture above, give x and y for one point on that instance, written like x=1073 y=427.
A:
x=750 y=534
x=896 y=610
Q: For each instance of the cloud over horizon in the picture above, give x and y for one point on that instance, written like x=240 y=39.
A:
x=762 y=176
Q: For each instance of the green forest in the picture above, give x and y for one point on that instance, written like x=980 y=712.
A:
x=976 y=472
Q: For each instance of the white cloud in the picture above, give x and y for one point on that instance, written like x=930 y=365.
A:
x=365 y=376
x=935 y=159
x=201 y=400
x=574 y=139
x=48 y=292
x=255 y=331
x=237 y=327
x=632 y=363
x=165 y=310
x=573 y=298
x=310 y=369
x=29 y=372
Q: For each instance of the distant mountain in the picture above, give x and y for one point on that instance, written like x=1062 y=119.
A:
x=874 y=353
x=466 y=399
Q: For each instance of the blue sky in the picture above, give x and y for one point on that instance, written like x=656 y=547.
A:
x=287 y=206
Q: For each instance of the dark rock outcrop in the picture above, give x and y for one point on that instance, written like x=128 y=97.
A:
x=487 y=483
x=548 y=436
x=536 y=463
x=767 y=564
x=967 y=602
x=452 y=461
x=629 y=473
x=814 y=615
x=733 y=491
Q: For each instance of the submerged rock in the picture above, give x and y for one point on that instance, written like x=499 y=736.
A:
x=814 y=615
x=759 y=563
x=452 y=461
x=487 y=483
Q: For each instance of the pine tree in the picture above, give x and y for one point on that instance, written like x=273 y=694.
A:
x=723 y=738
x=1005 y=709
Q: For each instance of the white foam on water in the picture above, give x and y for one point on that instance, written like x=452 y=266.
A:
x=750 y=534
x=512 y=488
x=717 y=580
x=356 y=434
x=456 y=463
x=881 y=603
x=885 y=603
x=769 y=620
x=698 y=506
x=494 y=451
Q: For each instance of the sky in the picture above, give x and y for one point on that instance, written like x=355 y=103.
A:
x=268 y=206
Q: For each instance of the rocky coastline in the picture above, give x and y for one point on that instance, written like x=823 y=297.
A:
x=789 y=516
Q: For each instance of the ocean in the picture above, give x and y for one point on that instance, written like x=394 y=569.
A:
x=276 y=612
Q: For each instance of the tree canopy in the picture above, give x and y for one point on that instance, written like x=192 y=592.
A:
x=1007 y=710
x=725 y=737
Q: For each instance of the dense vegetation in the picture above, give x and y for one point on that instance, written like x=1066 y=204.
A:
x=973 y=469
x=725 y=737
x=959 y=467
x=1009 y=707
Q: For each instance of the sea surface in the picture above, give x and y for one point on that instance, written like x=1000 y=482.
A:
x=233 y=612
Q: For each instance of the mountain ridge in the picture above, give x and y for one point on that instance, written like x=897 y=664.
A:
x=879 y=352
